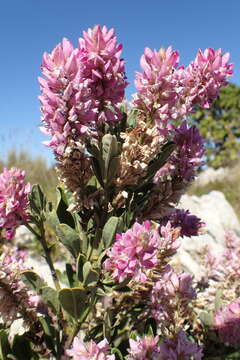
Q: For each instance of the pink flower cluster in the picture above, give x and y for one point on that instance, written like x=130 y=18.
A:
x=177 y=348
x=136 y=251
x=226 y=265
x=180 y=348
x=170 y=287
x=157 y=86
x=204 y=76
x=90 y=350
x=227 y=323
x=189 y=151
x=167 y=91
x=187 y=157
x=13 y=201
x=82 y=87
x=143 y=348
x=13 y=292
x=190 y=225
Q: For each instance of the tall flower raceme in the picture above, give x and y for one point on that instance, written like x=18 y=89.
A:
x=81 y=87
x=81 y=91
x=157 y=85
x=167 y=91
x=203 y=78
x=14 y=192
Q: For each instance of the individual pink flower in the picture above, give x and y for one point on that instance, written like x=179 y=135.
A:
x=180 y=348
x=90 y=350
x=13 y=201
x=227 y=323
x=134 y=252
x=82 y=87
x=144 y=348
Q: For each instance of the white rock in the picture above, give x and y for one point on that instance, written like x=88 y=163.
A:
x=219 y=217
x=215 y=211
x=23 y=235
x=210 y=175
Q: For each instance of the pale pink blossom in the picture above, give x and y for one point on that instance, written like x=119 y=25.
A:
x=165 y=291
x=227 y=323
x=167 y=91
x=180 y=348
x=203 y=78
x=143 y=348
x=81 y=87
x=157 y=86
x=14 y=201
x=90 y=350
x=134 y=252
x=13 y=293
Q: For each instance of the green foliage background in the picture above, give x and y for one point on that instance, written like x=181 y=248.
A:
x=220 y=125
x=37 y=170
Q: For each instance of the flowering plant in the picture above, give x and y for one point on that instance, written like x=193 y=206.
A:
x=122 y=170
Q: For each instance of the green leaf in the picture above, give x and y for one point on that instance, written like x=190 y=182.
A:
x=161 y=159
x=49 y=332
x=4 y=345
x=37 y=200
x=21 y=348
x=50 y=297
x=63 y=214
x=90 y=276
x=71 y=276
x=118 y=353
x=112 y=226
x=132 y=117
x=80 y=262
x=69 y=238
x=110 y=152
x=74 y=301
x=206 y=318
x=218 y=299
x=97 y=170
x=33 y=280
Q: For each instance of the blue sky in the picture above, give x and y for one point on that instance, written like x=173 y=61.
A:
x=30 y=27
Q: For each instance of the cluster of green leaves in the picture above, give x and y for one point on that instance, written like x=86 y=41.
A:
x=219 y=125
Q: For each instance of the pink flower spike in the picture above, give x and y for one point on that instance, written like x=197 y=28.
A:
x=134 y=252
x=13 y=201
